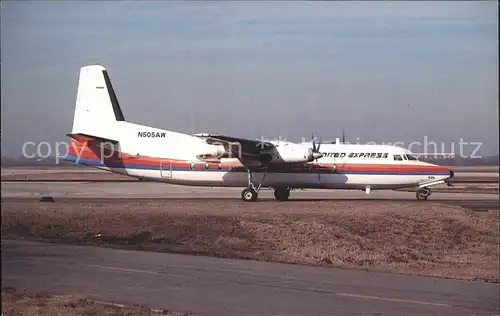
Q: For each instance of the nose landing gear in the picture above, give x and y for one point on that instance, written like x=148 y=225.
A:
x=423 y=194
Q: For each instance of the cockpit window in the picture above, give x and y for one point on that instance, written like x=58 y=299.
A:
x=411 y=157
x=398 y=157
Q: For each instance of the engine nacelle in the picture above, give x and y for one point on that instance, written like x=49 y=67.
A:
x=213 y=153
x=292 y=153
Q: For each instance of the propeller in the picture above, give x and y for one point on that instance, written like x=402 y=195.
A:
x=343 y=136
x=315 y=150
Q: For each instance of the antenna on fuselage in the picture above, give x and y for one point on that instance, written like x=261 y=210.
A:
x=337 y=140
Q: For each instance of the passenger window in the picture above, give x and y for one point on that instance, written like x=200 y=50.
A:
x=398 y=157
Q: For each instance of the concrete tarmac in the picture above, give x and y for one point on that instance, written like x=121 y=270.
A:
x=47 y=170
x=214 y=286
x=152 y=190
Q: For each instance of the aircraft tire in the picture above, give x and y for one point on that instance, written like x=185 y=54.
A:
x=422 y=195
x=249 y=195
x=281 y=194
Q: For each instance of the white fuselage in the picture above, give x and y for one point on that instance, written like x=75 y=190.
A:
x=166 y=156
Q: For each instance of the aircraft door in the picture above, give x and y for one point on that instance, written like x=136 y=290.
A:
x=166 y=169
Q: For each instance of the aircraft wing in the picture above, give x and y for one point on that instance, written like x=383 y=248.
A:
x=246 y=150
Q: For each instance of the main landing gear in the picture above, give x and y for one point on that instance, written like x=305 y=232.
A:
x=281 y=194
x=251 y=193
x=423 y=194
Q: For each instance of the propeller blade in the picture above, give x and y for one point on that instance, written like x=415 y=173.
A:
x=313 y=142
x=315 y=148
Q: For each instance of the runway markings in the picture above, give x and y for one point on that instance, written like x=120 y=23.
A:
x=135 y=271
x=106 y=303
x=118 y=269
x=392 y=299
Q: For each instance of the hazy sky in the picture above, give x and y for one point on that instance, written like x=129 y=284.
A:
x=385 y=71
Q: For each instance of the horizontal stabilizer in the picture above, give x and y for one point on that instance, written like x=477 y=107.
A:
x=79 y=136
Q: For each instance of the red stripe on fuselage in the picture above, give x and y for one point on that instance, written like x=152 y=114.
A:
x=86 y=147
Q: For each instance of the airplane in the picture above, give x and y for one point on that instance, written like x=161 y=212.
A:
x=102 y=138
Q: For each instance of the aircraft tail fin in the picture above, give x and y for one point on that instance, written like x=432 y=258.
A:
x=97 y=109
